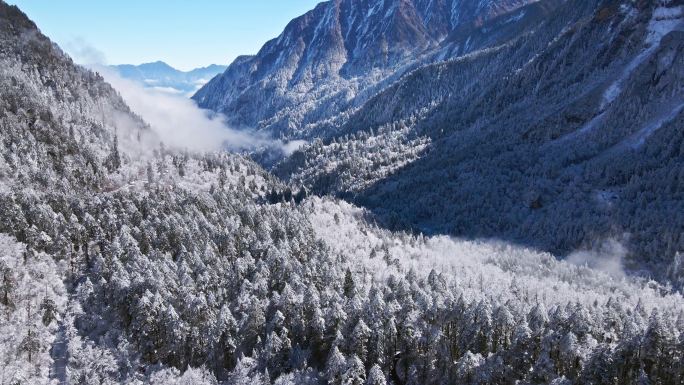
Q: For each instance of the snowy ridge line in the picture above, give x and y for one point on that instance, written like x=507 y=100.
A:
x=615 y=89
x=638 y=139
x=587 y=128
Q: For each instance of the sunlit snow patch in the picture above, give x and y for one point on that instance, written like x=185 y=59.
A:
x=664 y=21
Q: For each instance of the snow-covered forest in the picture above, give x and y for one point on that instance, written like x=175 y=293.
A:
x=123 y=261
x=558 y=137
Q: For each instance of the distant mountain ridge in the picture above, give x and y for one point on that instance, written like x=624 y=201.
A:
x=331 y=59
x=164 y=77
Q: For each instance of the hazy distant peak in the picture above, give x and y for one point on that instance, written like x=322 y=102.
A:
x=161 y=75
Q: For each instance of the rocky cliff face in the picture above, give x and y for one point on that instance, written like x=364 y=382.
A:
x=329 y=60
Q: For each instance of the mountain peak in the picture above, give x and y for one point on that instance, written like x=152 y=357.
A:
x=340 y=50
x=158 y=65
x=162 y=76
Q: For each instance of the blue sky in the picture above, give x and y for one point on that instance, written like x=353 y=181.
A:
x=184 y=33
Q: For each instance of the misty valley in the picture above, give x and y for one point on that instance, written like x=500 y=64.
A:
x=389 y=192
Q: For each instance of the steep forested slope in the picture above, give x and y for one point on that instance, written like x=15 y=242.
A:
x=333 y=58
x=127 y=262
x=563 y=137
x=59 y=122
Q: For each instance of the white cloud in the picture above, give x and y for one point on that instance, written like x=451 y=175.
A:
x=292 y=146
x=173 y=117
x=179 y=122
x=607 y=257
x=168 y=90
x=84 y=53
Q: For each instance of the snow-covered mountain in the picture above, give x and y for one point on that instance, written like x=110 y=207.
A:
x=62 y=123
x=329 y=60
x=125 y=262
x=163 y=77
x=484 y=120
